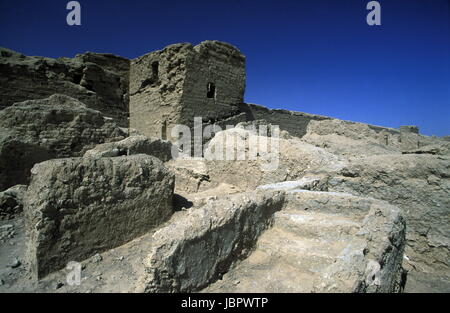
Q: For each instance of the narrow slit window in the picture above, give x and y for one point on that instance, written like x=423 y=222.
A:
x=155 y=71
x=211 y=91
x=164 y=131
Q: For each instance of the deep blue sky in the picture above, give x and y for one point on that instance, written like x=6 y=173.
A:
x=315 y=56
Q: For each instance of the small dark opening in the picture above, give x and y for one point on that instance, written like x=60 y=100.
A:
x=88 y=87
x=180 y=202
x=155 y=71
x=211 y=90
x=77 y=78
x=146 y=82
x=164 y=131
x=152 y=81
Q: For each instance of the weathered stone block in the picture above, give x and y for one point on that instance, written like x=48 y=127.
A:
x=197 y=249
x=283 y=160
x=162 y=149
x=77 y=207
x=38 y=130
x=418 y=185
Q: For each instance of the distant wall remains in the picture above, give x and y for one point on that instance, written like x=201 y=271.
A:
x=295 y=123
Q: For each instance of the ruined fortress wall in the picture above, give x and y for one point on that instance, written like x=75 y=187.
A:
x=98 y=80
x=69 y=217
x=214 y=85
x=170 y=86
x=156 y=86
x=296 y=123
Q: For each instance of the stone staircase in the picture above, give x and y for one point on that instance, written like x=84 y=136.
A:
x=293 y=255
x=279 y=239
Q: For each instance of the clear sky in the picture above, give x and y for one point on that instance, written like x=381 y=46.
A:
x=315 y=56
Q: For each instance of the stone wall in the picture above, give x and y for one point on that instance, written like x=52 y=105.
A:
x=382 y=230
x=98 y=80
x=331 y=132
x=417 y=184
x=296 y=123
x=287 y=159
x=37 y=130
x=77 y=207
x=161 y=149
x=170 y=86
x=223 y=66
x=355 y=139
x=196 y=250
x=156 y=86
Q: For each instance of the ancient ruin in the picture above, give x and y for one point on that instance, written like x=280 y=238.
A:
x=181 y=82
x=91 y=173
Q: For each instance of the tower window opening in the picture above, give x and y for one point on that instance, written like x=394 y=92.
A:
x=211 y=91
x=164 y=131
x=155 y=71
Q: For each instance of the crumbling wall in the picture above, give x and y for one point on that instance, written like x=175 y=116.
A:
x=208 y=242
x=331 y=132
x=277 y=159
x=156 y=87
x=296 y=123
x=77 y=207
x=221 y=65
x=98 y=80
x=197 y=249
x=161 y=149
x=356 y=139
x=170 y=87
x=417 y=184
x=37 y=130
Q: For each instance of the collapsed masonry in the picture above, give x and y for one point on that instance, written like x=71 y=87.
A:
x=98 y=80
